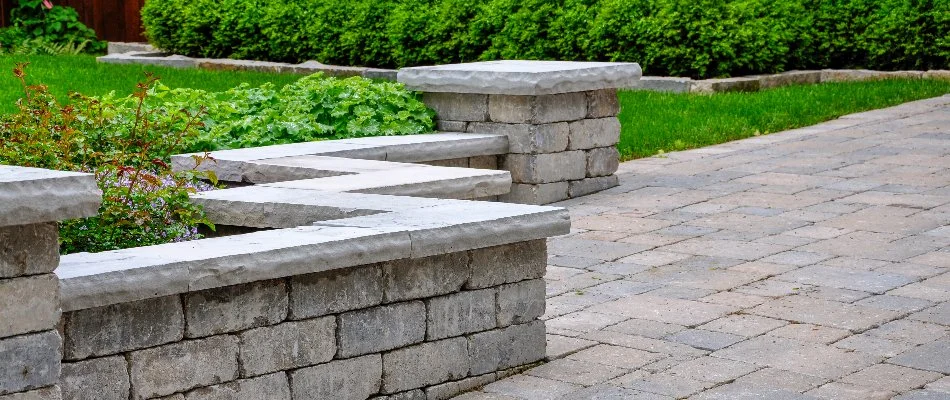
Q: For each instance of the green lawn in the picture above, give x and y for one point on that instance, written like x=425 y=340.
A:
x=64 y=74
x=652 y=122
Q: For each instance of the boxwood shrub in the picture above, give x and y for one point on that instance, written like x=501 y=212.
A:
x=697 y=38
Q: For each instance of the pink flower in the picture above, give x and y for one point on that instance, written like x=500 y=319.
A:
x=48 y=4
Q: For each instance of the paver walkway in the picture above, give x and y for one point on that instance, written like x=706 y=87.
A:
x=812 y=263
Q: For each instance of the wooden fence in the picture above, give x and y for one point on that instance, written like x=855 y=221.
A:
x=113 y=20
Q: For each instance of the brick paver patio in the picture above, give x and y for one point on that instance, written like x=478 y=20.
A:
x=812 y=263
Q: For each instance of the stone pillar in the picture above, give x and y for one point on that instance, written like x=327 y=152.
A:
x=31 y=201
x=560 y=119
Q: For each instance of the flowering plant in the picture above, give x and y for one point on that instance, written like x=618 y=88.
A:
x=127 y=145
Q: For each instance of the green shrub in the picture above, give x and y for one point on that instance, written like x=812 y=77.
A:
x=144 y=202
x=702 y=38
x=36 y=29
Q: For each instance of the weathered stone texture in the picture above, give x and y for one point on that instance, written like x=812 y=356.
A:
x=537 y=109
x=493 y=266
x=234 y=308
x=602 y=161
x=725 y=85
x=333 y=292
x=458 y=106
x=182 y=366
x=460 y=313
x=104 y=378
x=48 y=393
x=287 y=346
x=351 y=379
x=505 y=348
x=28 y=304
x=528 y=138
x=587 y=186
x=123 y=327
x=592 y=133
x=546 y=168
x=545 y=193
x=29 y=362
x=483 y=162
x=267 y=387
x=424 y=277
x=381 y=328
x=425 y=364
x=521 y=302
x=28 y=249
x=451 y=126
x=602 y=103
x=449 y=390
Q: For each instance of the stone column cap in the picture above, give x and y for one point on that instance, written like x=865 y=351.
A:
x=35 y=195
x=520 y=77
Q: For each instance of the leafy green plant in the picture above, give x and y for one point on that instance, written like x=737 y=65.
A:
x=38 y=27
x=144 y=201
x=313 y=108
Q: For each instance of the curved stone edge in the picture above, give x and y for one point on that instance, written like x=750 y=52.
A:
x=34 y=195
x=432 y=227
x=516 y=77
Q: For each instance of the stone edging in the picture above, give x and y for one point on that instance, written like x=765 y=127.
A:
x=755 y=83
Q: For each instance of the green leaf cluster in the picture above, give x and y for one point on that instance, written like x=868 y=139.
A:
x=38 y=30
x=696 y=38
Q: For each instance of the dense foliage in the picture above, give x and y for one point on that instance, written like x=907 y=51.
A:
x=698 y=38
x=39 y=27
x=126 y=145
x=312 y=108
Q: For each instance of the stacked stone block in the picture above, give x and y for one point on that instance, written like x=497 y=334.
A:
x=561 y=145
x=29 y=312
x=31 y=200
x=425 y=328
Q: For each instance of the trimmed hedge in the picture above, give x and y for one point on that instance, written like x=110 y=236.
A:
x=697 y=38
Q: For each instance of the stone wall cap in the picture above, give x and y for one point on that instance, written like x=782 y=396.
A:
x=520 y=77
x=35 y=195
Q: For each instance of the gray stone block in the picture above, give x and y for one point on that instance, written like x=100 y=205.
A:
x=449 y=390
x=267 y=387
x=602 y=161
x=849 y=75
x=178 y=367
x=176 y=396
x=602 y=103
x=937 y=74
x=453 y=163
x=150 y=58
x=29 y=362
x=493 y=266
x=545 y=193
x=593 y=133
x=128 y=47
x=537 y=109
x=460 y=313
x=451 y=126
x=28 y=304
x=287 y=346
x=520 y=77
x=483 y=162
x=415 y=278
x=528 y=138
x=28 y=249
x=235 y=308
x=508 y=347
x=379 y=73
x=725 y=85
x=104 y=378
x=458 y=106
x=663 y=84
x=789 y=78
x=352 y=379
x=381 y=328
x=521 y=302
x=425 y=364
x=587 y=186
x=35 y=195
x=336 y=291
x=546 y=168
x=49 y=393
x=123 y=327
